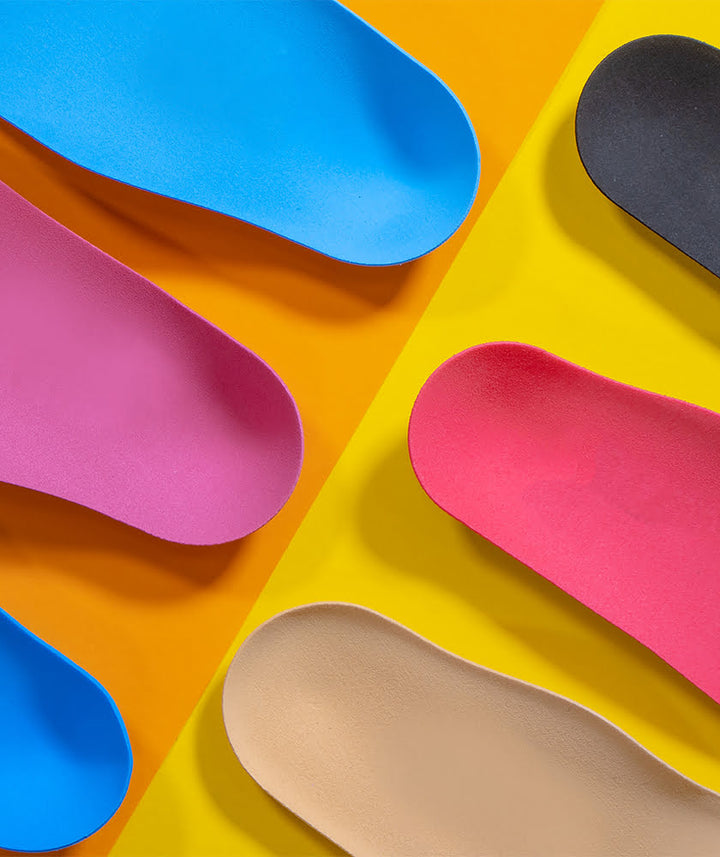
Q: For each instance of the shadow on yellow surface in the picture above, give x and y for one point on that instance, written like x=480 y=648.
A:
x=125 y=605
x=686 y=289
x=404 y=527
x=114 y=601
x=408 y=532
x=242 y=800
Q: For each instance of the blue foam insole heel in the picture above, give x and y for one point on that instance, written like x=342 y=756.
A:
x=295 y=116
x=65 y=758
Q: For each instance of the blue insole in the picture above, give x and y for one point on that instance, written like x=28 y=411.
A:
x=65 y=758
x=293 y=115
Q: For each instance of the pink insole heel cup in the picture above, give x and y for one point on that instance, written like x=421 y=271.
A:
x=117 y=397
x=608 y=491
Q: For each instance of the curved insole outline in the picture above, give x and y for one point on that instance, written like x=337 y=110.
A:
x=648 y=131
x=118 y=397
x=388 y=744
x=66 y=755
x=297 y=117
x=608 y=491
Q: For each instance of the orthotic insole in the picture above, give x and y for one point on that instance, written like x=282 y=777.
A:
x=65 y=758
x=295 y=116
x=648 y=133
x=608 y=491
x=394 y=747
x=116 y=396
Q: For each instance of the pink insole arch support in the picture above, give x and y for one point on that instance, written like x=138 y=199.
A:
x=117 y=397
x=608 y=491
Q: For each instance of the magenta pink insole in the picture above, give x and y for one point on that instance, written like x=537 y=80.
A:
x=610 y=492
x=116 y=396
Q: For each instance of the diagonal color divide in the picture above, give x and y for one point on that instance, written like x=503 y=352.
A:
x=152 y=620
x=553 y=263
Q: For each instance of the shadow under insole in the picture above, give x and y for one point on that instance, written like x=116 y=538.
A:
x=241 y=799
x=405 y=528
x=149 y=232
x=682 y=286
x=87 y=544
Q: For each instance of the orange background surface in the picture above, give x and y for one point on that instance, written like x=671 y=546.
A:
x=152 y=620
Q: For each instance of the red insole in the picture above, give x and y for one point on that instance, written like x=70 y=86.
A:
x=608 y=491
x=116 y=396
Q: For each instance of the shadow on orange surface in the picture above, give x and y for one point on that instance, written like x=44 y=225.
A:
x=152 y=233
x=151 y=620
x=136 y=565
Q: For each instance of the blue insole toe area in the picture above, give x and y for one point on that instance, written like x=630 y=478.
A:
x=295 y=116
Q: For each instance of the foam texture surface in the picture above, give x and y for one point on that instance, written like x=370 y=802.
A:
x=152 y=619
x=66 y=758
x=608 y=491
x=391 y=745
x=552 y=262
x=298 y=117
x=117 y=397
x=648 y=131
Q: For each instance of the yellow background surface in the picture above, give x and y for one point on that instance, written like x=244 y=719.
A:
x=151 y=619
x=553 y=263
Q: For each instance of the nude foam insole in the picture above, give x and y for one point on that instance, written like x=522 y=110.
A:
x=648 y=132
x=295 y=116
x=394 y=747
x=608 y=491
x=115 y=396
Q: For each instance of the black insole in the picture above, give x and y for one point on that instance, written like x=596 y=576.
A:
x=648 y=133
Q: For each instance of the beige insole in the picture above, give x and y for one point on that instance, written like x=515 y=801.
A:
x=394 y=747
